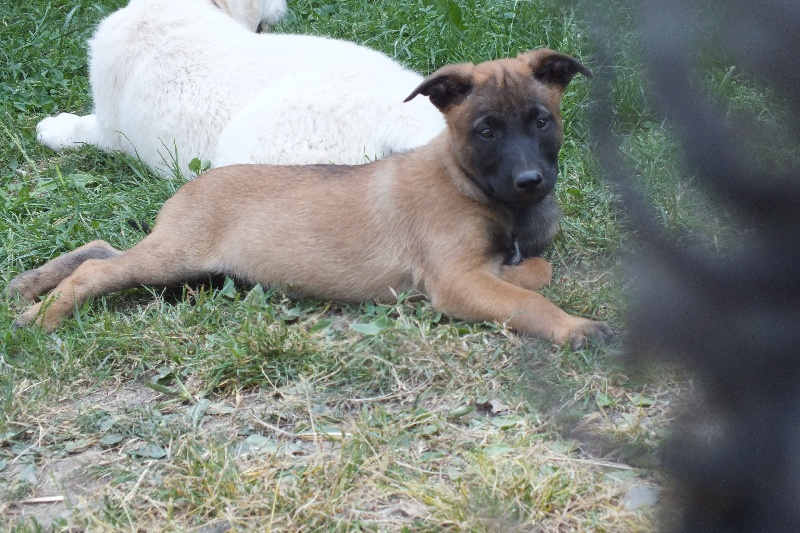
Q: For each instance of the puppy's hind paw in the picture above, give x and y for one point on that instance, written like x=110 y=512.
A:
x=38 y=315
x=23 y=287
x=28 y=318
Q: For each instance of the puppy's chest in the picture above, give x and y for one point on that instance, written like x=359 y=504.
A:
x=514 y=255
x=535 y=228
x=501 y=241
x=522 y=235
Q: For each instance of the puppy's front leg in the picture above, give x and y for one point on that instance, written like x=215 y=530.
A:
x=532 y=273
x=480 y=296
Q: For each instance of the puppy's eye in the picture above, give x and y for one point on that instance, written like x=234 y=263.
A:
x=486 y=134
x=542 y=123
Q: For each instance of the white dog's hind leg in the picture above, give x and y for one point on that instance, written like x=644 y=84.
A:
x=66 y=130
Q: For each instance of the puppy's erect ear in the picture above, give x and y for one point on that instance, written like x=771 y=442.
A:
x=553 y=68
x=447 y=86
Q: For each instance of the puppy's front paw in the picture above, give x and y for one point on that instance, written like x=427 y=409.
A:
x=583 y=330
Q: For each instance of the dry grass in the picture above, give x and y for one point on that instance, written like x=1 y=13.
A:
x=422 y=426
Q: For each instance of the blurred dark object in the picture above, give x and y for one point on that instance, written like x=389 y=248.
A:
x=733 y=320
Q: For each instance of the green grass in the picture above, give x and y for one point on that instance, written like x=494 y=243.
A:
x=232 y=406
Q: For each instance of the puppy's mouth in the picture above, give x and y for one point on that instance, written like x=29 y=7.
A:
x=513 y=198
x=522 y=198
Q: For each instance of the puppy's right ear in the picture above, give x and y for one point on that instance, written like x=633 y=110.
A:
x=447 y=86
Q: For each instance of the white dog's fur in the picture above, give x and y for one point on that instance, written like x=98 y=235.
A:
x=193 y=77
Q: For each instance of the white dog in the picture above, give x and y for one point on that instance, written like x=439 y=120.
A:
x=179 y=79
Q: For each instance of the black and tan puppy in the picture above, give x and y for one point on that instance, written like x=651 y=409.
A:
x=458 y=220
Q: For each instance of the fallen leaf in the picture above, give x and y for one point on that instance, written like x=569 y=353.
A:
x=505 y=422
x=605 y=400
x=427 y=457
x=641 y=496
x=256 y=443
x=429 y=430
x=198 y=411
x=29 y=474
x=372 y=328
x=494 y=450
x=461 y=411
x=496 y=406
x=151 y=451
x=640 y=400
x=220 y=409
x=77 y=446
x=228 y=289
x=413 y=510
x=111 y=439
x=106 y=423
x=321 y=325
x=622 y=475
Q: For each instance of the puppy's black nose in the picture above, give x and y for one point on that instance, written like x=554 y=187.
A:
x=528 y=180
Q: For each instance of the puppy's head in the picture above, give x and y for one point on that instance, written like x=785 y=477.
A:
x=504 y=120
x=256 y=15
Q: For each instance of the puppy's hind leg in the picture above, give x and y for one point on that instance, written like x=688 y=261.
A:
x=31 y=284
x=151 y=263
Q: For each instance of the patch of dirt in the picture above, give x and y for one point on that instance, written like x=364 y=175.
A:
x=128 y=395
x=62 y=484
x=63 y=481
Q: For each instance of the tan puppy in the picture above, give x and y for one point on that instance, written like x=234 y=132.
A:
x=458 y=219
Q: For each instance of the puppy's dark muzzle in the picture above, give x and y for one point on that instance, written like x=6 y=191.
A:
x=529 y=187
x=528 y=181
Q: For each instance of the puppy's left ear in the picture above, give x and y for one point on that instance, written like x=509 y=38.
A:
x=554 y=68
x=447 y=86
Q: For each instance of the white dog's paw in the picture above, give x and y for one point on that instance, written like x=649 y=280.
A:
x=60 y=132
x=66 y=130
